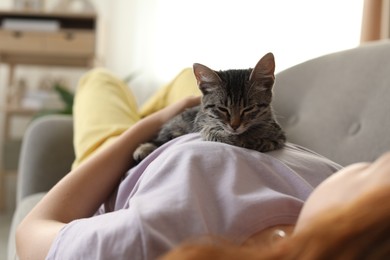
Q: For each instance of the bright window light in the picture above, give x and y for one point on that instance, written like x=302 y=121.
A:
x=225 y=34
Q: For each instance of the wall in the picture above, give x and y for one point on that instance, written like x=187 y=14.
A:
x=130 y=44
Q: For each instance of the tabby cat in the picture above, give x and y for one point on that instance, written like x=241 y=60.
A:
x=235 y=109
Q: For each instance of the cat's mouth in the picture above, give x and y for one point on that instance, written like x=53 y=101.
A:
x=235 y=131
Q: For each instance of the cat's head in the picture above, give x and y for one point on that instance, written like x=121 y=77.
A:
x=235 y=100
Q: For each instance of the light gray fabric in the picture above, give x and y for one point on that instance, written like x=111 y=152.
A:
x=337 y=105
x=46 y=154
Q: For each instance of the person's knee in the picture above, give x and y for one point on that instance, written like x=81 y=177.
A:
x=98 y=77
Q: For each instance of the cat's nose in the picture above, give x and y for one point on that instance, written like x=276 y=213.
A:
x=235 y=124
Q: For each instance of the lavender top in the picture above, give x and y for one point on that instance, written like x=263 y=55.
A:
x=190 y=188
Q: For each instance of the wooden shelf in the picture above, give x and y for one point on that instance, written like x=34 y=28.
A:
x=71 y=43
x=17 y=110
x=67 y=20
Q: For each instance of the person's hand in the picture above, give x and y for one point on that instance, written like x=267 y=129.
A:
x=170 y=111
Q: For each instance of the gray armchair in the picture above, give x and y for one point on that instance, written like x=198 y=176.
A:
x=46 y=156
x=337 y=105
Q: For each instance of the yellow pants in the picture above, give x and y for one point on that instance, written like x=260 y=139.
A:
x=105 y=107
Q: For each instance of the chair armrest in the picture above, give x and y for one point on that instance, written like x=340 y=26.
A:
x=46 y=154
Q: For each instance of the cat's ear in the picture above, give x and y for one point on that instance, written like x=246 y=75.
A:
x=207 y=79
x=264 y=70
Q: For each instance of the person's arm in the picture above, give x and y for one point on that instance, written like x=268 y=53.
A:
x=82 y=191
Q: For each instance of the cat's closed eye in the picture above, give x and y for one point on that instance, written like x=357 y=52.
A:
x=247 y=110
x=224 y=110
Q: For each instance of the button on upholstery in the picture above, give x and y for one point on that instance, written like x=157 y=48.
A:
x=354 y=129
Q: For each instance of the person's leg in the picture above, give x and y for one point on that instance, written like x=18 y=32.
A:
x=183 y=85
x=104 y=108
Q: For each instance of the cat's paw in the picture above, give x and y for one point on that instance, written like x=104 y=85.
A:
x=143 y=150
x=271 y=145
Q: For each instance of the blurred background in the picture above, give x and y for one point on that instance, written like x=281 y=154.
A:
x=148 y=42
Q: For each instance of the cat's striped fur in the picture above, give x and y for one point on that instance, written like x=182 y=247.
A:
x=235 y=109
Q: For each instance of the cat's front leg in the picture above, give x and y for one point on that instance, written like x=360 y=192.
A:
x=215 y=135
x=267 y=145
x=143 y=151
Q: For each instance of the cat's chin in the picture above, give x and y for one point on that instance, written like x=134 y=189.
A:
x=235 y=132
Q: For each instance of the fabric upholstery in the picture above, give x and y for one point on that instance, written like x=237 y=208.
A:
x=46 y=154
x=338 y=105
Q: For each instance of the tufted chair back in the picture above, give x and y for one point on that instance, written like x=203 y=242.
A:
x=339 y=104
